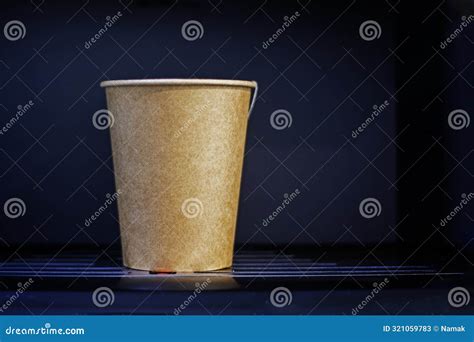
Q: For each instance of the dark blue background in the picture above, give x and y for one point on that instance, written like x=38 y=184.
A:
x=320 y=70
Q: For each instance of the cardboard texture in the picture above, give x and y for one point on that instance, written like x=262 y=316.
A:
x=178 y=148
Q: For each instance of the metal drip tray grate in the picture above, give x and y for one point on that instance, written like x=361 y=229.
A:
x=249 y=267
x=329 y=283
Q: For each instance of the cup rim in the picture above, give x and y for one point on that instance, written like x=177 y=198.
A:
x=177 y=81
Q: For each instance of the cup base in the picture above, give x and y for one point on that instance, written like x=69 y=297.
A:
x=178 y=269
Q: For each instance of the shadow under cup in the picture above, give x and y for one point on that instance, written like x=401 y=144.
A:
x=178 y=148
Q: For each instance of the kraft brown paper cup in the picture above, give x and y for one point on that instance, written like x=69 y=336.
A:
x=178 y=148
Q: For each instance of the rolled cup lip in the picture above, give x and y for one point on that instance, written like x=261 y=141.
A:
x=178 y=81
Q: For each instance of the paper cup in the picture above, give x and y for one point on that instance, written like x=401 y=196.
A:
x=178 y=148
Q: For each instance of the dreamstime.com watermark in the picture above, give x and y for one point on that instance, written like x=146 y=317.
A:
x=103 y=119
x=370 y=207
x=458 y=119
x=459 y=297
x=14 y=208
x=192 y=207
x=46 y=330
x=21 y=110
x=190 y=121
x=462 y=204
x=14 y=30
x=281 y=297
x=288 y=198
x=370 y=30
x=19 y=291
x=110 y=21
x=103 y=297
x=377 y=110
x=288 y=21
x=281 y=119
x=464 y=23
x=199 y=287
x=192 y=30
x=107 y=203
x=377 y=288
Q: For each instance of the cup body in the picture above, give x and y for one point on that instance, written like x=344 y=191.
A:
x=178 y=148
